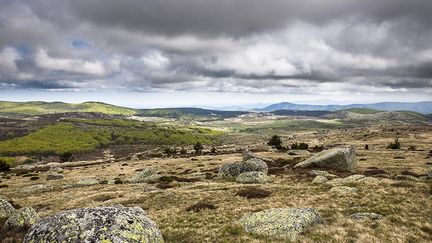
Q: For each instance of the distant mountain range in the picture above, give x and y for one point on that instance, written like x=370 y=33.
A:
x=424 y=107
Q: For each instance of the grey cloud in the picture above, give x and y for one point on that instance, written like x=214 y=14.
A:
x=222 y=46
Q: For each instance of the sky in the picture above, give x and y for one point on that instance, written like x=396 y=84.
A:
x=167 y=53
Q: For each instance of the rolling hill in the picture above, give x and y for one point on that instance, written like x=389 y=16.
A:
x=40 y=108
x=424 y=107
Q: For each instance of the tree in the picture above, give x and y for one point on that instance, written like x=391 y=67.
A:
x=275 y=142
x=198 y=147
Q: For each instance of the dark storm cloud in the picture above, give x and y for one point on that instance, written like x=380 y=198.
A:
x=225 y=46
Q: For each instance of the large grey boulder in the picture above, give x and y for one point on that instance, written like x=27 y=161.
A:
x=6 y=209
x=145 y=176
x=281 y=223
x=100 y=224
x=343 y=159
x=21 y=218
x=253 y=177
x=231 y=171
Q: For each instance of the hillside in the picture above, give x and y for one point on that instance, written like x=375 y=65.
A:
x=189 y=112
x=39 y=108
x=421 y=107
x=373 y=117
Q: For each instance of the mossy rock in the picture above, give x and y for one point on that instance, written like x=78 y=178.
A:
x=280 y=223
x=21 y=218
x=100 y=224
x=6 y=209
x=253 y=177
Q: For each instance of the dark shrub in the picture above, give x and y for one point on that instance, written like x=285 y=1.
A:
x=198 y=147
x=66 y=157
x=170 y=151
x=367 y=147
x=30 y=161
x=164 y=185
x=394 y=145
x=34 y=178
x=412 y=148
x=302 y=146
x=253 y=192
x=4 y=166
x=166 y=179
x=318 y=148
x=275 y=142
x=200 y=206
x=213 y=150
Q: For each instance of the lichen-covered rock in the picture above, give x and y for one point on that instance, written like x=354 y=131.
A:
x=23 y=217
x=253 y=177
x=343 y=159
x=247 y=154
x=319 y=179
x=101 y=224
x=343 y=190
x=36 y=188
x=145 y=176
x=323 y=173
x=6 y=209
x=364 y=216
x=54 y=176
x=56 y=169
x=347 y=180
x=299 y=152
x=231 y=171
x=88 y=181
x=282 y=223
x=407 y=178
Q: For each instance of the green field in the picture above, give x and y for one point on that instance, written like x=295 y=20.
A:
x=79 y=136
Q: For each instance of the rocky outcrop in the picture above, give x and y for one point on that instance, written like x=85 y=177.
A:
x=323 y=173
x=145 y=176
x=250 y=163
x=281 y=223
x=6 y=209
x=21 y=218
x=101 y=224
x=253 y=177
x=343 y=159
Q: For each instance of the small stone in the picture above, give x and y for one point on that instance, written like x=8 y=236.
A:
x=253 y=177
x=145 y=176
x=54 y=176
x=88 y=181
x=319 y=179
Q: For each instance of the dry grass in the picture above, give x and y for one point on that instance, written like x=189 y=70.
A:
x=406 y=205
